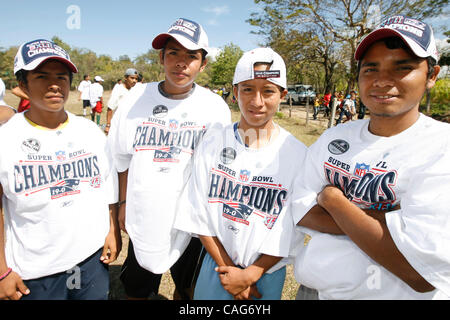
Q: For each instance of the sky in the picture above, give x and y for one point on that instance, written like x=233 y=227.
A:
x=124 y=27
x=128 y=27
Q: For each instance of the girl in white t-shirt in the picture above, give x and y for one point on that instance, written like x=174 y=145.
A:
x=237 y=199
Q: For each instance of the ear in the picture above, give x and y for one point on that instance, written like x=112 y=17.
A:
x=283 y=94
x=432 y=80
x=161 y=57
x=23 y=87
x=235 y=91
x=203 y=66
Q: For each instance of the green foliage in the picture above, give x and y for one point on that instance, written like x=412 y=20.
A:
x=222 y=70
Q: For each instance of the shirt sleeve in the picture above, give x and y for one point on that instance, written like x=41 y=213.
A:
x=421 y=228
x=117 y=140
x=308 y=183
x=193 y=213
x=114 y=99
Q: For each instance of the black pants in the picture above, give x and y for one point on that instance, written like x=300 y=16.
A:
x=141 y=283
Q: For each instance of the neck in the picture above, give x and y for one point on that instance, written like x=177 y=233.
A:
x=391 y=126
x=257 y=137
x=175 y=93
x=48 y=120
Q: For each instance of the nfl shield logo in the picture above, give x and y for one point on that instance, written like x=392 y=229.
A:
x=361 y=169
x=244 y=175
x=173 y=124
x=60 y=155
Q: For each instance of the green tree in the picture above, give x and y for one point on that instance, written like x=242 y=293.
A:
x=346 y=22
x=222 y=70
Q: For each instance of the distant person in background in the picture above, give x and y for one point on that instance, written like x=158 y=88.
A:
x=6 y=112
x=96 y=99
x=83 y=88
x=119 y=91
x=24 y=103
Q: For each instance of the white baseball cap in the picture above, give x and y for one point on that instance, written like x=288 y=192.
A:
x=188 y=33
x=416 y=34
x=245 y=67
x=31 y=54
x=98 y=78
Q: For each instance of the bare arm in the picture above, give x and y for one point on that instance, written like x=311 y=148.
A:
x=123 y=182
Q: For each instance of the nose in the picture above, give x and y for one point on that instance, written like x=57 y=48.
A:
x=257 y=99
x=54 y=87
x=383 y=79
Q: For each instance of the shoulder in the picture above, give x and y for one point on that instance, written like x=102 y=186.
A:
x=292 y=143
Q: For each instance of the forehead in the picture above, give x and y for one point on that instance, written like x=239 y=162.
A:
x=173 y=44
x=379 y=51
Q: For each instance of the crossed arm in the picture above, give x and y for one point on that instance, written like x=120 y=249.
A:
x=335 y=214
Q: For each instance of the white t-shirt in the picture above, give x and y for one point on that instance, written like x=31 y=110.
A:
x=154 y=137
x=410 y=169
x=349 y=105
x=95 y=92
x=241 y=195
x=57 y=186
x=117 y=94
x=83 y=87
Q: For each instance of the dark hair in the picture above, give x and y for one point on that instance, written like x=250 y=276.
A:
x=85 y=76
x=397 y=43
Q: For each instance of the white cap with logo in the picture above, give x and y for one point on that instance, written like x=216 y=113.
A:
x=245 y=67
x=188 y=33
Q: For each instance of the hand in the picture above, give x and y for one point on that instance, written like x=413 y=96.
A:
x=112 y=247
x=106 y=130
x=233 y=279
x=12 y=287
x=248 y=293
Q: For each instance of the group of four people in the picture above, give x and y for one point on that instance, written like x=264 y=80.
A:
x=224 y=206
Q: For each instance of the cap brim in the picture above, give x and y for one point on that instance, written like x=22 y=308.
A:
x=160 y=41
x=386 y=33
x=36 y=63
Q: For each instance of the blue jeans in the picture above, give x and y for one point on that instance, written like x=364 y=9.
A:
x=89 y=280
x=208 y=286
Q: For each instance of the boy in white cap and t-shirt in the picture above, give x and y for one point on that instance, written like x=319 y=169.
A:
x=55 y=187
x=374 y=196
x=96 y=99
x=119 y=91
x=153 y=135
x=238 y=197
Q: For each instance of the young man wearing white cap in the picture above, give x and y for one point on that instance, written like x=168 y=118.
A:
x=238 y=196
x=375 y=191
x=96 y=99
x=58 y=234
x=6 y=111
x=154 y=133
x=119 y=91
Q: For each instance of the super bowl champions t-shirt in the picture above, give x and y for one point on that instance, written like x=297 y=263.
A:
x=241 y=195
x=57 y=186
x=154 y=137
x=410 y=169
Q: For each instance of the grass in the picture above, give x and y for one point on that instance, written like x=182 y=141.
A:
x=295 y=124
